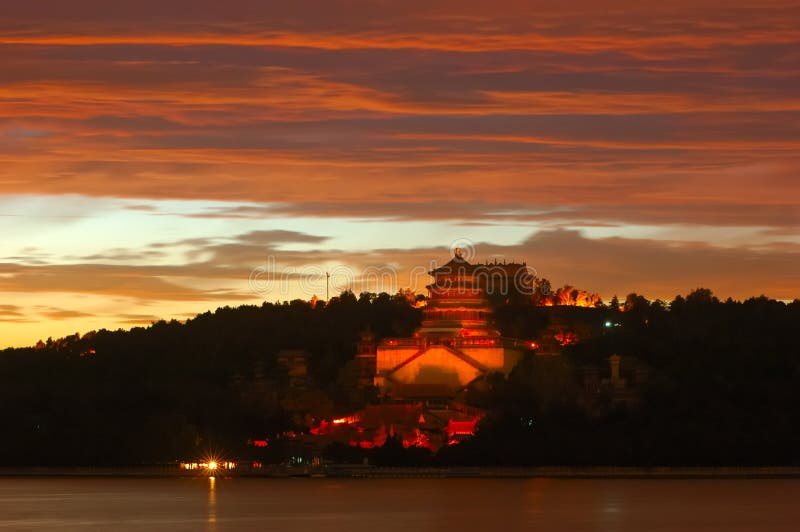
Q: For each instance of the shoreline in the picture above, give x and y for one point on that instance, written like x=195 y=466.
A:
x=340 y=471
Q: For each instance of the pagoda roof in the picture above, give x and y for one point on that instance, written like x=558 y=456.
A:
x=455 y=264
x=459 y=264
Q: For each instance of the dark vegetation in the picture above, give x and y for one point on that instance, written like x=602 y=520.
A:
x=723 y=387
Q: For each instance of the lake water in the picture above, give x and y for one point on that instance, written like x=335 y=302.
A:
x=453 y=505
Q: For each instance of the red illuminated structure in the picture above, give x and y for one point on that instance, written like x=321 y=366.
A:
x=417 y=424
x=419 y=378
x=456 y=344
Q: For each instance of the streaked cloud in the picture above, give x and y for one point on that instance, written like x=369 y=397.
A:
x=11 y=314
x=55 y=313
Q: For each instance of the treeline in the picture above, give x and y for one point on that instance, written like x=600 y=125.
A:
x=723 y=386
x=176 y=390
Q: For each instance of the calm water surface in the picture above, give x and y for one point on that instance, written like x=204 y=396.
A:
x=484 y=505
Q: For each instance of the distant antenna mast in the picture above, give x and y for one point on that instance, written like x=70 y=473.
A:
x=327 y=286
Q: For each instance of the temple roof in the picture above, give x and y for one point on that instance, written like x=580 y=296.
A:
x=459 y=264
x=455 y=264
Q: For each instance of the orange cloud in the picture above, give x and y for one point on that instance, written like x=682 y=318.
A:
x=644 y=46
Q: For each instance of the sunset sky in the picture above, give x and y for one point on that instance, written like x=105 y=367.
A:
x=155 y=153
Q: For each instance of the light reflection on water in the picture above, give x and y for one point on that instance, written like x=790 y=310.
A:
x=217 y=504
x=212 y=504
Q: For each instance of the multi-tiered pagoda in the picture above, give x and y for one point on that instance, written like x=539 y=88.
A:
x=456 y=343
x=457 y=303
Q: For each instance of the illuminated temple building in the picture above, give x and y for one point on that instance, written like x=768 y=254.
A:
x=420 y=378
x=456 y=344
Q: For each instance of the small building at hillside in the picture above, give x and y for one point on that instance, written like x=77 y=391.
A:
x=295 y=362
x=621 y=384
